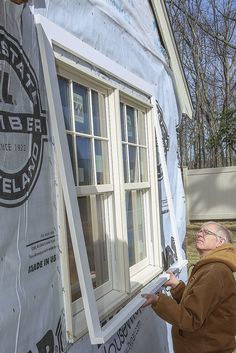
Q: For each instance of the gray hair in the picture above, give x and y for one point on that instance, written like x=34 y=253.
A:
x=222 y=231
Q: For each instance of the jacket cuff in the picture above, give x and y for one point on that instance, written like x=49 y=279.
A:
x=177 y=292
x=161 y=304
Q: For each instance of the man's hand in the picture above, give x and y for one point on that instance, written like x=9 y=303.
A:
x=172 y=281
x=151 y=299
x=19 y=2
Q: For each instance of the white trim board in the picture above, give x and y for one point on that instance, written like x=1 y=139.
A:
x=48 y=33
x=74 y=45
x=167 y=184
x=67 y=179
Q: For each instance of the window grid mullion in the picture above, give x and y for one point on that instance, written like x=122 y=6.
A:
x=137 y=141
x=127 y=144
x=73 y=130
x=92 y=136
x=108 y=138
x=120 y=269
x=132 y=144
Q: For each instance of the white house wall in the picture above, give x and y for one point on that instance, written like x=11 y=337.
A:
x=125 y=32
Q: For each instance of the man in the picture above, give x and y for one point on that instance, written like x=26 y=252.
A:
x=203 y=312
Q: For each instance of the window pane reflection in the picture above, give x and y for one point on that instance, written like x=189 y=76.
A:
x=135 y=226
x=133 y=164
x=72 y=156
x=143 y=164
x=84 y=157
x=122 y=120
x=64 y=93
x=74 y=281
x=99 y=114
x=141 y=128
x=92 y=214
x=125 y=161
x=81 y=108
x=101 y=156
x=130 y=112
x=134 y=144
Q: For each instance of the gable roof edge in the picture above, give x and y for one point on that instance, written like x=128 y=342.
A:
x=180 y=83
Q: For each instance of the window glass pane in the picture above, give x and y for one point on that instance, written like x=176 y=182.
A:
x=81 y=110
x=135 y=224
x=130 y=227
x=133 y=164
x=92 y=214
x=122 y=120
x=64 y=93
x=130 y=112
x=100 y=243
x=140 y=242
x=74 y=281
x=102 y=165
x=72 y=155
x=99 y=114
x=84 y=157
x=141 y=128
x=143 y=164
x=92 y=217
x=125 y=162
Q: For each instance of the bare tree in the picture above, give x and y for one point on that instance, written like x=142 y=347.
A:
x=205 y=34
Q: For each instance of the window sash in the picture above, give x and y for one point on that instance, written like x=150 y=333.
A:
x=87 y=98
x=134 y=137
x=100 y=290
x=81 y=102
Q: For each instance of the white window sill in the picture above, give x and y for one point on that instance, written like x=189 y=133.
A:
x=113 y=301
x=143 y=277
x=107 y=305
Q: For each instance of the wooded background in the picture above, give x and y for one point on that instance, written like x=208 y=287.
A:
x=205 y=33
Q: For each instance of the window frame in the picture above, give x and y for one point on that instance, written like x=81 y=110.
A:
x=143 y=186
x=49 y=33
x=144 y=271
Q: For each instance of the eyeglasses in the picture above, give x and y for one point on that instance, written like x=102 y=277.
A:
x=206 y=232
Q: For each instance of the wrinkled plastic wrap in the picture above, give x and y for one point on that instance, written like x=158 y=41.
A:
x=31 y=319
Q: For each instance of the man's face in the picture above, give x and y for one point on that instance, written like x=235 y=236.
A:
x=207 y=239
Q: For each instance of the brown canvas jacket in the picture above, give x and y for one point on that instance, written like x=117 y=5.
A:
x=203 y=313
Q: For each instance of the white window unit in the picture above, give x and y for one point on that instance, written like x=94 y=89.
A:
x=109 y=186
